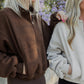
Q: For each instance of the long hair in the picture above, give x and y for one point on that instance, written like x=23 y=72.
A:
x=73 y=11
x=14 y=5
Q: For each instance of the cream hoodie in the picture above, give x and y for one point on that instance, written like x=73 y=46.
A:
x=60 y=55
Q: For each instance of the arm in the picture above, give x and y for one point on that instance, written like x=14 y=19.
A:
x=57 y=17
x=8 y=63
x=47 y=30
x=56 y=56
x=53 y=20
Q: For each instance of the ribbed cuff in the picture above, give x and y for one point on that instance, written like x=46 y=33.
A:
x=20 y=68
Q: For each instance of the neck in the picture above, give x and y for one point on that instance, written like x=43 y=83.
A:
x=82 y=15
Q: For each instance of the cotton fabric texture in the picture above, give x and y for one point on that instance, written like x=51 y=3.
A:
x=60 y=54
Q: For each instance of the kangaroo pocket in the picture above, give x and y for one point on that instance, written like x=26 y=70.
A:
x=76 y=70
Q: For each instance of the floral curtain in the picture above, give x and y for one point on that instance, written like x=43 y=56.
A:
x=47 y=7
x=1 y=4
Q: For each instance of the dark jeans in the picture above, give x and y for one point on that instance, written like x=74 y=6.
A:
x=62 y=81
x=18 y=81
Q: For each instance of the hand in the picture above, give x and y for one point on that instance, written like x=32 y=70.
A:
x=19 y=67
x=70 y=70
x=61 y=16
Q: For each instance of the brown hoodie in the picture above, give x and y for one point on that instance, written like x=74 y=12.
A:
x=23 y=42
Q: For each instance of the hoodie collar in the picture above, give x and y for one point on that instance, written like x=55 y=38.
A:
x=25 y=13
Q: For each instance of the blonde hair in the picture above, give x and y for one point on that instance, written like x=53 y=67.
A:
x=73 y=11
x=14 y=5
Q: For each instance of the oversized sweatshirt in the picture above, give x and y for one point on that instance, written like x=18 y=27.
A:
x=23 y=40
x=61 y=55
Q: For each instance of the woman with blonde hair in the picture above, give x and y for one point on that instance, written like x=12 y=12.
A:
x=66 y=48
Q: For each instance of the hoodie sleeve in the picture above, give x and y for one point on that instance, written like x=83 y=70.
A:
x=57 y=60
x=8 y=63
x=53 y=21
x=48 y=29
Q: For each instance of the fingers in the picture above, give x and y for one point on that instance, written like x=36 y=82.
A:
x=13 y=73
x=61 y=16
x=58 y=16
x=15 y=60
x=64 y=18
x=70 y=70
